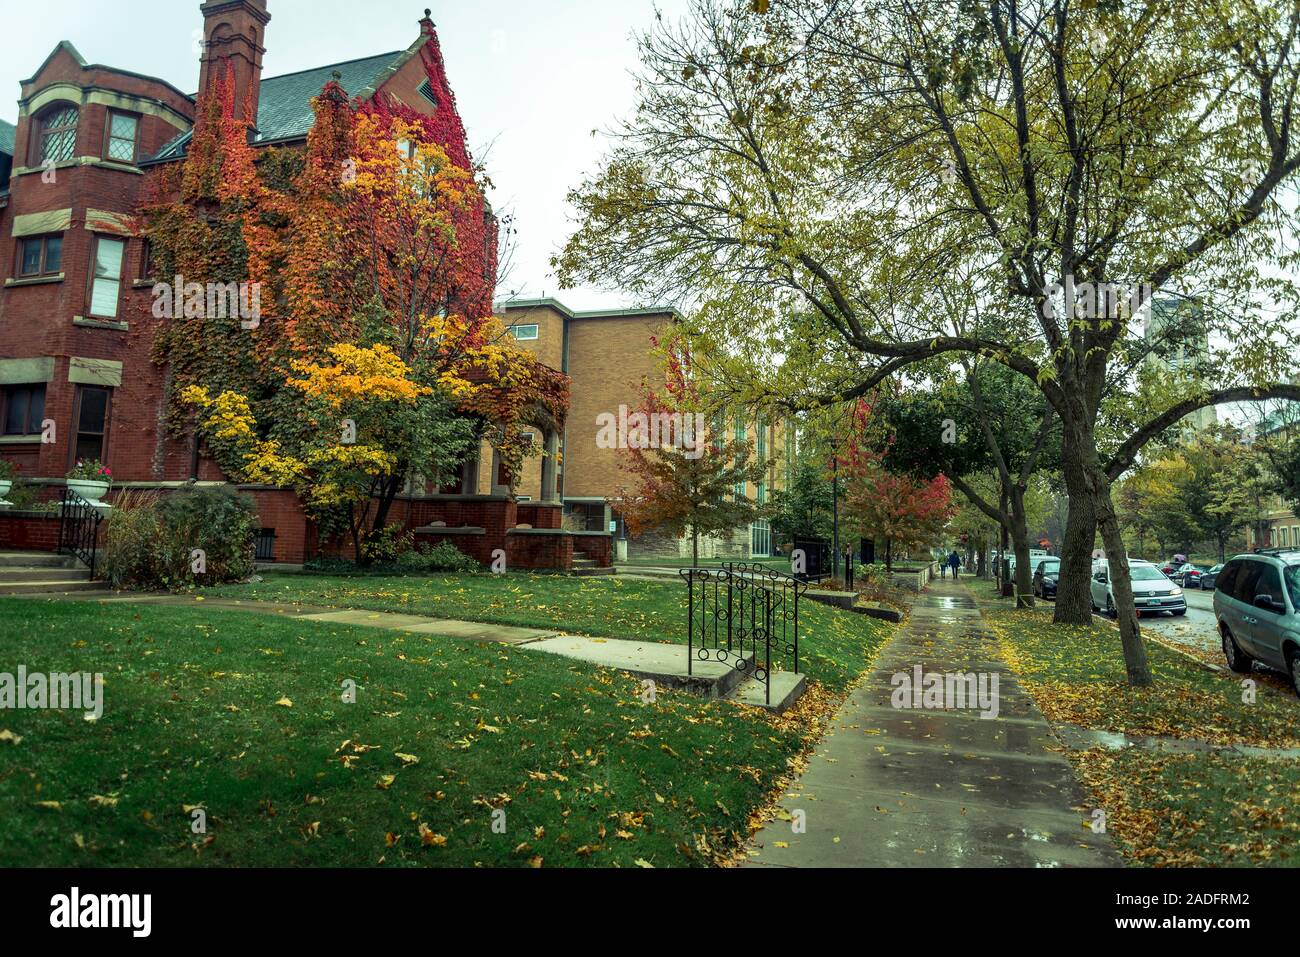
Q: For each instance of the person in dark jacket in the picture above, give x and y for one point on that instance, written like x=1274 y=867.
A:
x=954 y=562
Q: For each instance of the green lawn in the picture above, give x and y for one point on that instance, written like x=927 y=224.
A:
x=1165 y=809
x=834 y=646
x=242 y=715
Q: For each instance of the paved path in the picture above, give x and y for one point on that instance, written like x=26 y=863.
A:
x=931 y=788
x=365 y=618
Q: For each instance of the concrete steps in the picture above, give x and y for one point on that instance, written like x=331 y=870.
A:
x=666 y=665
x=588 y=566
x=44 y=573
x=36 y=560
x=787 y=688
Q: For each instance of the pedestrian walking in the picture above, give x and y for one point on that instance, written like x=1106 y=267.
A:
x=954 y=562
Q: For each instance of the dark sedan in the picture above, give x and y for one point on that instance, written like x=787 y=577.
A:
x=1189 y=575
x=1045 y=575
x=1211 y=578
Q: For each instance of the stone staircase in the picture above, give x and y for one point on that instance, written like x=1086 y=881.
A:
x=666 y=665
x=44 y=573
x=588 y=566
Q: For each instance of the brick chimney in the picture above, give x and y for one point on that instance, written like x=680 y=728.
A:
x=233 y=31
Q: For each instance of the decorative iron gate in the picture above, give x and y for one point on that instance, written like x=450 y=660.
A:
x=743 y=614
x=78 y=529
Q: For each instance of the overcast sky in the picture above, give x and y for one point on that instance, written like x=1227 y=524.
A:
x=532 y=79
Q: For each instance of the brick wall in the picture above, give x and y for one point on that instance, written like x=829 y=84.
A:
x=539 y=516
x=598 y=546
x=29 y=531
x=539 y=549
x=608 y=359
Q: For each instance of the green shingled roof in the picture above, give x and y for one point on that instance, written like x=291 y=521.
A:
x=284 y=103
x=8 y=132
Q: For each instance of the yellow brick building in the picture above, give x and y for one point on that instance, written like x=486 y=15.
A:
x=609 y=354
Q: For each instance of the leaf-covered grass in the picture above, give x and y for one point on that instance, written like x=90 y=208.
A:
x=243 y=716
x=1202 y=809
x=1197 y=810
x=1076 y=674
x=834 y=646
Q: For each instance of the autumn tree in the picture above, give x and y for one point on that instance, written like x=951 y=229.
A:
x=376 y=364
x=883 y=505
x=818 y=176
x=696 y=484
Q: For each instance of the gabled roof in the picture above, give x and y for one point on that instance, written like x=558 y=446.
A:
x=284 y=102
x=80 y=60
x=8 y=133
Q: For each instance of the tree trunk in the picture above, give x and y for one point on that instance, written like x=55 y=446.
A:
x=695 y=548
x=1121 y=584
x=1020 y=545
x=1073 y=601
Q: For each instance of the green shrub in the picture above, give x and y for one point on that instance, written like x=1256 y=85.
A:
x=383 y=545
x=443 y=557
x=199 y=536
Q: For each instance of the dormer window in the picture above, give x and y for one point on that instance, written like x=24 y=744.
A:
x=58 y=136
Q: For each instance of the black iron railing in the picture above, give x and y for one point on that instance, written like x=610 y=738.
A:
x=79 y=529
x=742 y=614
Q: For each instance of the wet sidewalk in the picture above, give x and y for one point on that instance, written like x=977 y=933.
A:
x=904 y=787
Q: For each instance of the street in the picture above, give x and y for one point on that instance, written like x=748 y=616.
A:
x=1196 y=628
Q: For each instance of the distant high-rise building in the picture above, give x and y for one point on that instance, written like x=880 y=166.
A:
x=1180 y=349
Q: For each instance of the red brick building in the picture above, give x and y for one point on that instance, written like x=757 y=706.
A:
x=76 y=376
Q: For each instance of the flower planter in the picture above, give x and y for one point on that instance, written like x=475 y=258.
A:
x=5 y=486
x=90 y=491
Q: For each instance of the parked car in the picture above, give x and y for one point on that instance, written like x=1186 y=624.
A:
x=1169 y=568
x=1045 y=576
x=1207 y=580
x=1257 y=606
x=1152 y=590
x=1189 y=575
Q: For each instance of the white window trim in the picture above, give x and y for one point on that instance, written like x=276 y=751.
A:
x=515 y=331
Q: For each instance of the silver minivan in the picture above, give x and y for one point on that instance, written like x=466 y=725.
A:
x=1257 y=606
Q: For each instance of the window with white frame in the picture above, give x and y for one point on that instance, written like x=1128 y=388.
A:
x=524 y=332
x=106 y=284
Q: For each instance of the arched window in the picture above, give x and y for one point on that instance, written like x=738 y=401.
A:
x=58 y=134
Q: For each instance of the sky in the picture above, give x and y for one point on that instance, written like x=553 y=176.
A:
x=532 y=79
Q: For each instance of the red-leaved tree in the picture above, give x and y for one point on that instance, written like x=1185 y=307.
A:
x=693 y=483
x=899 y=510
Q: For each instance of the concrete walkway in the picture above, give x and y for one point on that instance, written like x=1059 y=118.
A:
x=893 y=787
x=361 y=617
